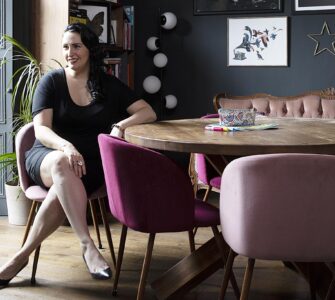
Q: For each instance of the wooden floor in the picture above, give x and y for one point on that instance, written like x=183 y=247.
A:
x=61 y=272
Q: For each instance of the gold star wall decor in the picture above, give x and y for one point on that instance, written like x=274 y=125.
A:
x=325 y=41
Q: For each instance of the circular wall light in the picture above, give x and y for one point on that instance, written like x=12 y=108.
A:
x=168 y=20
x=151 y=84
x=170 y=101
x=153 y=43
x=160 y=60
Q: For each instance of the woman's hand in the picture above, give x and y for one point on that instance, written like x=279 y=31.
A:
x=76 y=160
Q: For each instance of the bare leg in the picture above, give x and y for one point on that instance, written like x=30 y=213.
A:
x=49 y=217
x=56 y=171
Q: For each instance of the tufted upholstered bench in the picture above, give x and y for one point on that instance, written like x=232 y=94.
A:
x=315 y=104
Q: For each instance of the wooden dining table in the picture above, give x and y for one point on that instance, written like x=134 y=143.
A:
x=292 y=135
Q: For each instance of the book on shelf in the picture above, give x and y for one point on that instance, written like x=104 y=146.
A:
x=129 y=23
x=77 y=16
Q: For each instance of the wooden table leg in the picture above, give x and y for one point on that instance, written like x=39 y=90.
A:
x=189 y=272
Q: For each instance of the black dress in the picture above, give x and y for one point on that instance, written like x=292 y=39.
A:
x=80 y=125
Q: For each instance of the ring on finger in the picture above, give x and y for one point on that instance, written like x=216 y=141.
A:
x=79 y=163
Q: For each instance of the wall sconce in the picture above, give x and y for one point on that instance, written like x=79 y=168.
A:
x=168 y=20
x=152 y=84
x=160 y=60
x=170 y=101
x=153 y=43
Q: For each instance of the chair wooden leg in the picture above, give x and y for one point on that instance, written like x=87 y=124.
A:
x=227 y=273
x=31 y=217
x=33 y=272
x=145 y=267
x=247 y=279
x=191 y=240
x=204 y=199
x=119 y=259
x=107 y=229
x=95 y=222
x=224 y=249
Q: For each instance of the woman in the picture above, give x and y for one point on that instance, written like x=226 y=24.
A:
x=71 y=107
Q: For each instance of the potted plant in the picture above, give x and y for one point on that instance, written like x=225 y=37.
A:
x=23 y=81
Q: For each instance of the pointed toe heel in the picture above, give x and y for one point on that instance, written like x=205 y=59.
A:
x=99 y=275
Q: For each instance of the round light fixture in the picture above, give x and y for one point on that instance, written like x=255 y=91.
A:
x=153 y=43
x=168 y=20
x=151 y=84
x=160 y=60
x=170 y=101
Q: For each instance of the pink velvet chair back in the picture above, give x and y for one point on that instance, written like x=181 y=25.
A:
x=280 y=206
x=24 y=140
x=138 y=197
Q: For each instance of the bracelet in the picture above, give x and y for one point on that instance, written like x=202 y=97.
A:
x=117 y=126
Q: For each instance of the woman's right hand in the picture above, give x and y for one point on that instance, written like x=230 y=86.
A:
x=76 y=160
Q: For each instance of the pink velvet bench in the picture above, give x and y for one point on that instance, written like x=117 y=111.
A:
x=314 y=104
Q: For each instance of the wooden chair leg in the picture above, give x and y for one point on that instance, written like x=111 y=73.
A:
x=119 y=259
x=145 y=267
x=95 y=221
x=107 y=229
x=30 y=221
x=191 y=240
x=227 y=273
x=33 y=272
x=204 y=199
x=225 y=250
x=247 y=279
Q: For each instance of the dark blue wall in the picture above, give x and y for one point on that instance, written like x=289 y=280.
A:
x=197 y=52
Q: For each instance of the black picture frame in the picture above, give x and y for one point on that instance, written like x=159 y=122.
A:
x=213 y=7
x=98 y=19
x=305 y=7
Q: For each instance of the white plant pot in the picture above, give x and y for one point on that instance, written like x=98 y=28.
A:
x=18 y=205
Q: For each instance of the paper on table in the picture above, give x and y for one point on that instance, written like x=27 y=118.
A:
x=218 y=127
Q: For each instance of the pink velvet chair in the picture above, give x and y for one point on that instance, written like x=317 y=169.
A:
x=149 y=193
x=278 y=207
x=23 y=142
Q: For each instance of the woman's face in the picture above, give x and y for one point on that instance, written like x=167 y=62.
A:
x=75 y=52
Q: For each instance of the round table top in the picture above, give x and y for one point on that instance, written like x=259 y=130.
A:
x=298 y=135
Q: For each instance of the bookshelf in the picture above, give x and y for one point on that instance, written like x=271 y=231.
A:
x=117 y=37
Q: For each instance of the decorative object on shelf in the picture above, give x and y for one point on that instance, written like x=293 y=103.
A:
x=318 y=7
x=168 y=20
x=210 y=7
x=324 y=40
x=160 y=60
x=152 y=84
x=257 y=41
x=98 y=19
x=170 y=101
x=153 y=43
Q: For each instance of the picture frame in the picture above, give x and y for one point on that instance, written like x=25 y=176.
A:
x=257 y=41
x=212 y=7
x=313 y=6
x=98 y=19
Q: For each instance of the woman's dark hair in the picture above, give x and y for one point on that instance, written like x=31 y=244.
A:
x=91 y=41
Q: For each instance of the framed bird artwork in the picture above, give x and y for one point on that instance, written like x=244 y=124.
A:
x=98 y=19
x=257 y=41
x=313 y=6
x=212 y=7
